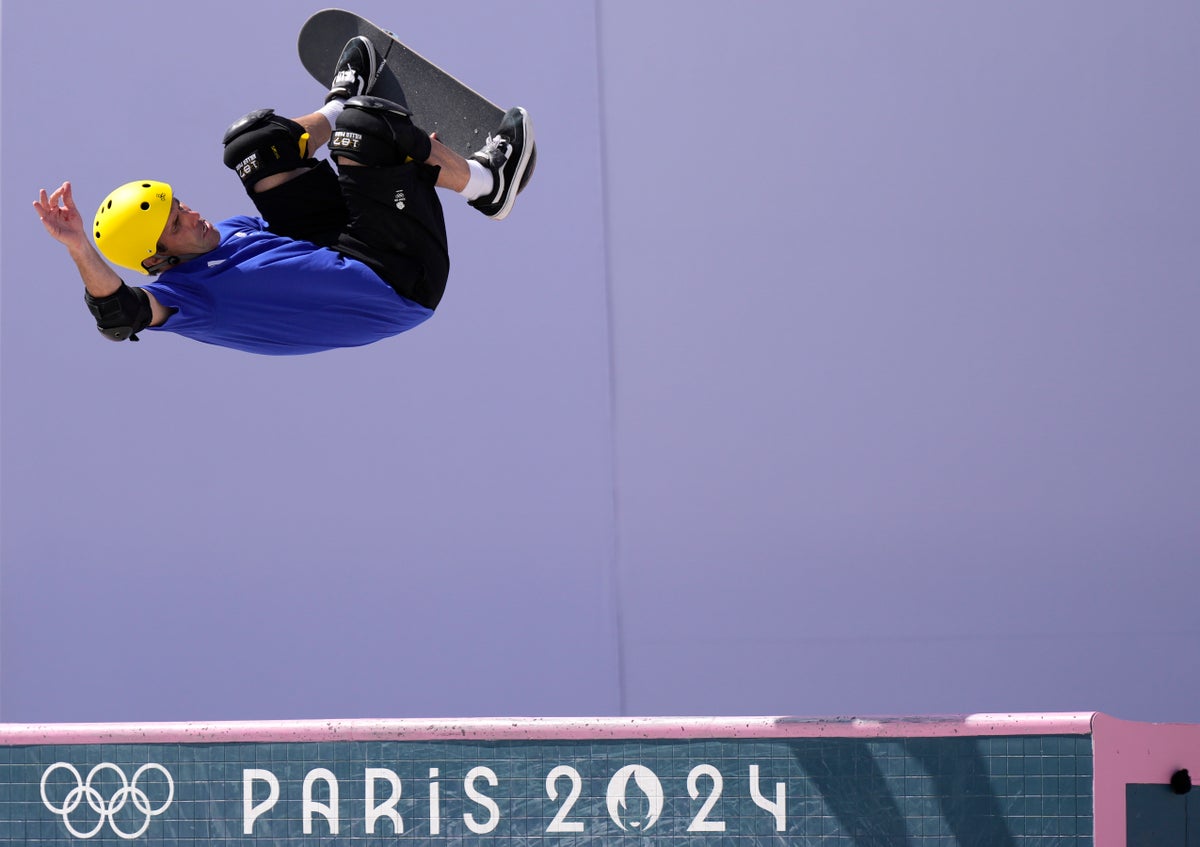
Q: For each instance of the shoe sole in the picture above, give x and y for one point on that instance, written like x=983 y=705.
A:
x=518 y=174
x=374 y=65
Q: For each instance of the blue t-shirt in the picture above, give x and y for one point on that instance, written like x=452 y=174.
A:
x=264 y=293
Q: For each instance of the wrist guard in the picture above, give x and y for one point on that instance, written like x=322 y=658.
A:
x=122 y=314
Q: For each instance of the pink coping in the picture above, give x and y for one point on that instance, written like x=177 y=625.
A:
x=532 y=729
x=1126 y=752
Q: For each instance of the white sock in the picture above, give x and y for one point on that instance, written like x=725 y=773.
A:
x=481 y=182
x=331 y=110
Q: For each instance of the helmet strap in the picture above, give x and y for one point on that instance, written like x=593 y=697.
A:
x=164 y=263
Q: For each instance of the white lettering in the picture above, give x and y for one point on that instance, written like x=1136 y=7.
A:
x=701 y=823
x=560 y=822
x=435 y=806
x=483 y=800
x=778 y=808
x=251 y=812
x=481 y=811
x=388 y=809
x=328 y=811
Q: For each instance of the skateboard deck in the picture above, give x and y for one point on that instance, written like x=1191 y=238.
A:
x=461 y=117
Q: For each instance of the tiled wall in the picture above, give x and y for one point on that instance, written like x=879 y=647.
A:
x=989 y=791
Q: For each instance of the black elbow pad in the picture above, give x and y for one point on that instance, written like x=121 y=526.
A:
x=122 y=314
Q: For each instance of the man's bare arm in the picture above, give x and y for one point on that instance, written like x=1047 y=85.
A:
x=63 y=222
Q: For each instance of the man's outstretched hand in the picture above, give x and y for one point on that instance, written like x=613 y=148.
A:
x=60 y=216
x=63 y=221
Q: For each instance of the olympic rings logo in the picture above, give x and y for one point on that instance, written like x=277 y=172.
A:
x=128 y=792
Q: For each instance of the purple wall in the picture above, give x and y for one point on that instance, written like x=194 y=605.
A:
x=907 y=413
x=837 y=361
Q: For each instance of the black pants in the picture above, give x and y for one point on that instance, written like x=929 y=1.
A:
x=388 y=218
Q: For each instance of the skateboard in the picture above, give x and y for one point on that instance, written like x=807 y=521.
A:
x=439 y=103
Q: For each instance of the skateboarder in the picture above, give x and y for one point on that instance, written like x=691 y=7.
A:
x=336 y=260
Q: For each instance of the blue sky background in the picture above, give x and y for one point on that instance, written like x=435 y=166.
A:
x=840 y=359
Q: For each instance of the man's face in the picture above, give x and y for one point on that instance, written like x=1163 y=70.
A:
x=186 y=233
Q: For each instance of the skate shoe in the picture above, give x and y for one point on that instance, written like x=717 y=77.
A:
x=506 y=154
x=355 y=71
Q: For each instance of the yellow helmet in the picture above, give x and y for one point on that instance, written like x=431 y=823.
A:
x=130 y=220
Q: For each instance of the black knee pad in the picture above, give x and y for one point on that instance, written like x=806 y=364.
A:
x=377 y=132
x=261 y=144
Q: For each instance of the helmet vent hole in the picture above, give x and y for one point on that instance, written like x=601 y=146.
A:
x=109 y=206
x=145 y=205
